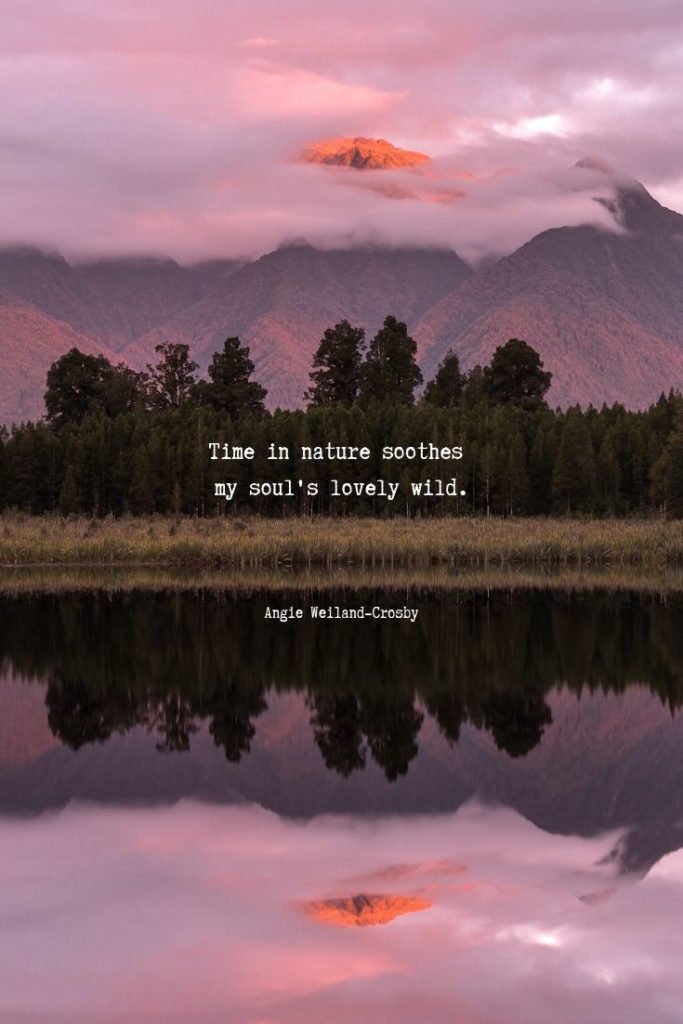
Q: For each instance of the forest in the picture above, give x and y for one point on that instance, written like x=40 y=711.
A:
x=115 y=441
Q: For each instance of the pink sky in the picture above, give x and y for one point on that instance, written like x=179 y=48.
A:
x=168 y=125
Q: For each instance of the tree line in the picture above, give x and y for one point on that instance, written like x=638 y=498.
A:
x=116 y=441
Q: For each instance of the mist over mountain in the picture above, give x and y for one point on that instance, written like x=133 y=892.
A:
x=603 y=307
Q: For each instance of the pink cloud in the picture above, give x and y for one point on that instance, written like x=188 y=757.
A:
x=124 y=116
x=270 y=91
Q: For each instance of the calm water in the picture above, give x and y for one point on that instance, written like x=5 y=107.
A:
x=201 y=807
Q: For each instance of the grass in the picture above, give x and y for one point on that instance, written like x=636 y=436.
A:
x=55 y=579
x=370 y=544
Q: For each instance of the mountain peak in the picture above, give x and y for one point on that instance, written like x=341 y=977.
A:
x=361 y=153
x=630 y=203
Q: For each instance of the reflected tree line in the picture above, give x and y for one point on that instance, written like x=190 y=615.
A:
x=170 y=662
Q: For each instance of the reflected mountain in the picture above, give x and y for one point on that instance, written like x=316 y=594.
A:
x=363 y=910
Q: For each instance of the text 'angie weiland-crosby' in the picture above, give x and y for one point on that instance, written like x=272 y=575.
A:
x=425 y=451
x=336 y=612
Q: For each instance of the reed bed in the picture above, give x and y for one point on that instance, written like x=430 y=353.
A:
x=27 y=580
x=256 y=543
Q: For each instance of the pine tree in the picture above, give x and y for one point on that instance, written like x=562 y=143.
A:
x=68 y=496
x=474 y=388
x=674 y=477
x=659 y=477
x=336 y=374
x=390 y=370
x=142 y=484
x=574 y=472
x=541 y=463
x=516 y=376
x=230 y=388
x=517 y=476
x=445 y=390
x=608 y=474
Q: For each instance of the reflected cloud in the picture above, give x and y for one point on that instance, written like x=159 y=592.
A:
x=190 y=913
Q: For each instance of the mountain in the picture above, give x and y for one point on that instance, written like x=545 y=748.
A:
x=281 y=304
x=604 y=308
x=112 y=301
x=147 y=292
x=362 y=154
x=595 y=770
x=48 y=306
x=52 y=286
x=30 y=341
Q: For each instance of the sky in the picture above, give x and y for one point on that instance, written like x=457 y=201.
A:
x=172 y=126
x=194 y=912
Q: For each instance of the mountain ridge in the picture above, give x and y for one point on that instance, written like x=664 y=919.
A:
x=606 y=303
x=281 y=304
x=603 y=307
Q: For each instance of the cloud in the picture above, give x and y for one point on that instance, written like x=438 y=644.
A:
x=531 y=127
x=123 y=118
x=272 y=92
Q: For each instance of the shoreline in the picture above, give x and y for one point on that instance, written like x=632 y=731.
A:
x=56 y=579
x=377 y=546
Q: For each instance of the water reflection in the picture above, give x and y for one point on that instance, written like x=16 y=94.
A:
x=193 y=913
x=562 y=705
x=495 y=794
x=112 y=662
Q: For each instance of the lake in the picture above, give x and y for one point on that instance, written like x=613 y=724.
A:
x=209 y=813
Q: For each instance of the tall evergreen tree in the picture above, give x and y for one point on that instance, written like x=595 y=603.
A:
x=674 y=476
x=445 y=389
x=142 y=483
x=474 y=386
x=516 y=376
x=608 y=475
x=336 y=374
x=574 y=471
x=390 y=370
x=659 y=479
x=517 y=477
x=541 y=464
x=230 y=388
x=68 y=496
